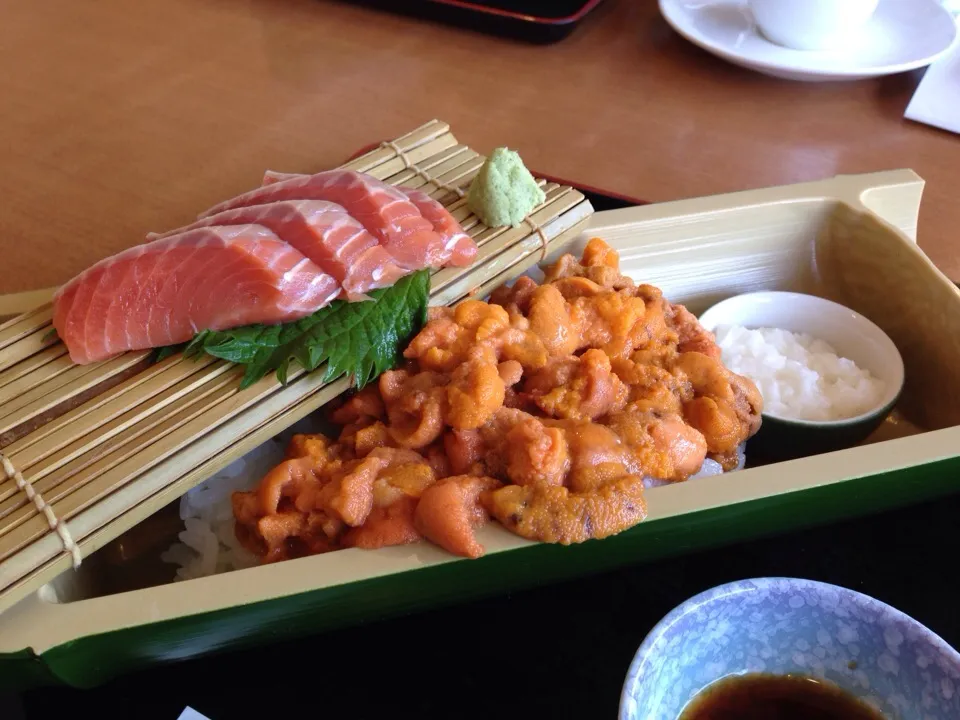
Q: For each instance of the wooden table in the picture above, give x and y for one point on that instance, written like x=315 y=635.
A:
x=120 y=118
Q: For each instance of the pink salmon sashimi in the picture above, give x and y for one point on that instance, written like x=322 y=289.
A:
x=459 y=249
x=272 y=176
x=164 y=292
x=382 y=209
x=325 y=233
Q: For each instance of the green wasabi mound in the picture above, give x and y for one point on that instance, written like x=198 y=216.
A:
x=504 y=192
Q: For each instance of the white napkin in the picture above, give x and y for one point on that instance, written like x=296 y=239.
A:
x=937 y=100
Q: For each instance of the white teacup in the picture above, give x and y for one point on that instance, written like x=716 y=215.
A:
x=811 y=24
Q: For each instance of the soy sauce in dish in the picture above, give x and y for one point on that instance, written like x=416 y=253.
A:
x=762 y=696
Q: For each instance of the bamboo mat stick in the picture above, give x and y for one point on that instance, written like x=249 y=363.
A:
x=409 y=176
x=25 y=347
x=69 y=384
x=32 y=364
x=65 y=426
x=19 y=327
x=94 y=476
x=383 y=162
x=428 y=131
x=462 y=213
x=412 y=140
x=37 y=423
x=96 y=470
x=451 y=182
x=445 y=171
x=99 y=428
x=45 y=375
x=453 y=155
x=416 y=155
x=98 y=372
x=63 y=373
x=123 y=438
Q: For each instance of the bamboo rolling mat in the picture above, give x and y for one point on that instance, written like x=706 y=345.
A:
x=89 y=451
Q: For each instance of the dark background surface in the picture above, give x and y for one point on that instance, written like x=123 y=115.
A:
x=537 y=21
x=560 y=651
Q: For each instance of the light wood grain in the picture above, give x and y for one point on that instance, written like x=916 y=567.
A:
x=160 y=108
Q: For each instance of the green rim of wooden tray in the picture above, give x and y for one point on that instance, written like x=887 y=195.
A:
x=94 y=659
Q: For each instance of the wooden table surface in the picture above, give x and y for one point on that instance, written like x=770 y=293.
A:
x=120 y=118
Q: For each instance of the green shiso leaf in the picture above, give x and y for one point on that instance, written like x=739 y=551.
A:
x=165 y=352
x=358 y=339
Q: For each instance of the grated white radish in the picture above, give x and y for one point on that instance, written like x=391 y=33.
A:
x=800 y=377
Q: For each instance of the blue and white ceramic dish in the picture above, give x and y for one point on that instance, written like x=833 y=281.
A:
x=782 y=625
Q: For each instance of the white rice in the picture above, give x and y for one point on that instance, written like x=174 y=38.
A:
x=208 y=545
x=710 y=468
x=799 y=376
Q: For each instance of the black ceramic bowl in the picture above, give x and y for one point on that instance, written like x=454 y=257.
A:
x=852 y=336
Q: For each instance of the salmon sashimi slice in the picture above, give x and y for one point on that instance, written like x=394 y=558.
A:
x=459 y=249
x=382 y=209
x=272 y=176
x=166 y=291
x=323 y=232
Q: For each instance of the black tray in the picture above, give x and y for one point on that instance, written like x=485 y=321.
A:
x=539 y=21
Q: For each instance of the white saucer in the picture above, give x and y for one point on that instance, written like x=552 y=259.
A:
x=902 y=35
